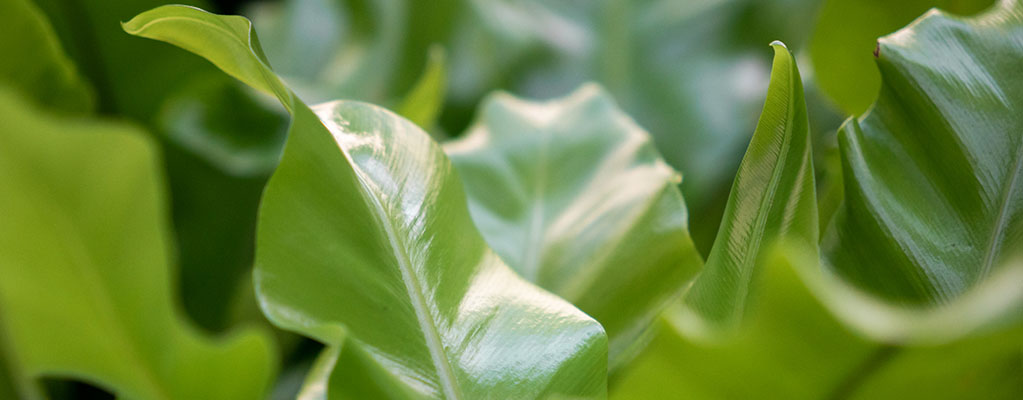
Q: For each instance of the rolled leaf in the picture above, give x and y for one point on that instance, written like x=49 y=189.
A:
x=772 y=199
x=365 y=236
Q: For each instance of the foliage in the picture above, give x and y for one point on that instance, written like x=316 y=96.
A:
x=325 y=247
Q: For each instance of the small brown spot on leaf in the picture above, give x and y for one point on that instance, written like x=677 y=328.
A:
x=877 y=50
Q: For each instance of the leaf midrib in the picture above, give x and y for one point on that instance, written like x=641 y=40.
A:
x=534 y=237
x=1001 y=220
x=767 y=201
x=413 y=287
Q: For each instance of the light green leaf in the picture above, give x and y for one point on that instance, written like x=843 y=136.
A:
x=84 y=255
x=846 y=34
x=932 y=199
x=34 y=63
x=365 y=236
x=772 y=199
x=425 y=100
x=572 y=194
x=792 y=346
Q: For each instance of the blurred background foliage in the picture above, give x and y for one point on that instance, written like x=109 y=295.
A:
x=693 y=73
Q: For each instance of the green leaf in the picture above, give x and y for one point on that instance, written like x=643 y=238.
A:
x=572 y=194
x=792 y=346
x=846 y=34
x=424 y=102
x=34 y=63
x=84 y=255
x=772 y=199
x=932 y=199
x=365 y=236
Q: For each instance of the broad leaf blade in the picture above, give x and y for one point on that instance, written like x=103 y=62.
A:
x=86 y=290
x=932 y=194
x=772 y=199
x=573 y=195
x=365 y=236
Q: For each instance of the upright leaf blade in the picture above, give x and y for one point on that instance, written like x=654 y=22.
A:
x=423 y=103
x=83 y=252
x=772 y=199
x=365 y=236
x=573 y=195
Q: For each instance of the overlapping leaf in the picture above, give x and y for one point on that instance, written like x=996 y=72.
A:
x=86 y=287
x=573 y=195
x=822 y=335
x=365 y=236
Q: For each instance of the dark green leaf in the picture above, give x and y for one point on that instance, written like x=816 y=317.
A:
x=34 y=63
x=932 y=195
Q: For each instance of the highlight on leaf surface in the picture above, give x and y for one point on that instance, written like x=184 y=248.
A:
x=365 y=236
x=933 y=205
x=572 y=194
x=772 y=199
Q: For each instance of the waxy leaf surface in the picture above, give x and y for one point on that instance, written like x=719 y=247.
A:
x=572 y=194
x=365 y=237
x=933 y=201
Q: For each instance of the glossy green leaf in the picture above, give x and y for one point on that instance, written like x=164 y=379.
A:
x=34 y=63
x=932 y=195
x=845 y=36
x=423 y=103
x=365 y=236
x=86 y=292
x=772 y=199
x=572 y=194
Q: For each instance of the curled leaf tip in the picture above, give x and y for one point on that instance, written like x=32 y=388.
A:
x=777 y=43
